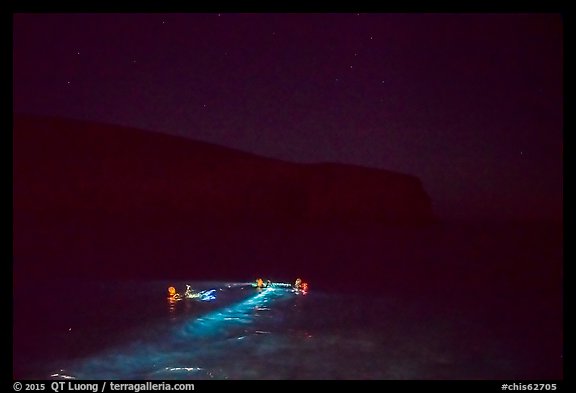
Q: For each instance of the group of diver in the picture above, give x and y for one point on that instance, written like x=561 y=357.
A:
x=299 y=286
x=191 y=294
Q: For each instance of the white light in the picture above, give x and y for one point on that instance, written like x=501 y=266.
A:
x=62 y=376
x=184 y=368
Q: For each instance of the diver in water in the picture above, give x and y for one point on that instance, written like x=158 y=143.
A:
x=188 y=292
x=173 y=295
x=298 y=284
x=191 y=294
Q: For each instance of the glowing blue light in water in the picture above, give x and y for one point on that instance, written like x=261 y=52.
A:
x=207 y=296
x=238 y=314
x=180 y=351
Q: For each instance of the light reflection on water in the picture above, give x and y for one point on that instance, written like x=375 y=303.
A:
x=192 y=339
x=245 y=333
x=234 y=316
x=490 y=308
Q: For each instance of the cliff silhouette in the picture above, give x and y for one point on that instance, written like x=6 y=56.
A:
x=103 y=199
x=73 y=166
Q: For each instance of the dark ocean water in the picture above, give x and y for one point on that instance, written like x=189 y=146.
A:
x=473 y=316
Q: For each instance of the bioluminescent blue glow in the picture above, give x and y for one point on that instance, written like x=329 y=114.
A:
x=208 y=295
x=238 y=314
x=188 y=349
x=274 y=333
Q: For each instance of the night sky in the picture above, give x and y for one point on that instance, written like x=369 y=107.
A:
x=470 y=104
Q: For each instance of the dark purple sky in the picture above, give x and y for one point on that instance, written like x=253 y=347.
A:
x=471 y=104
